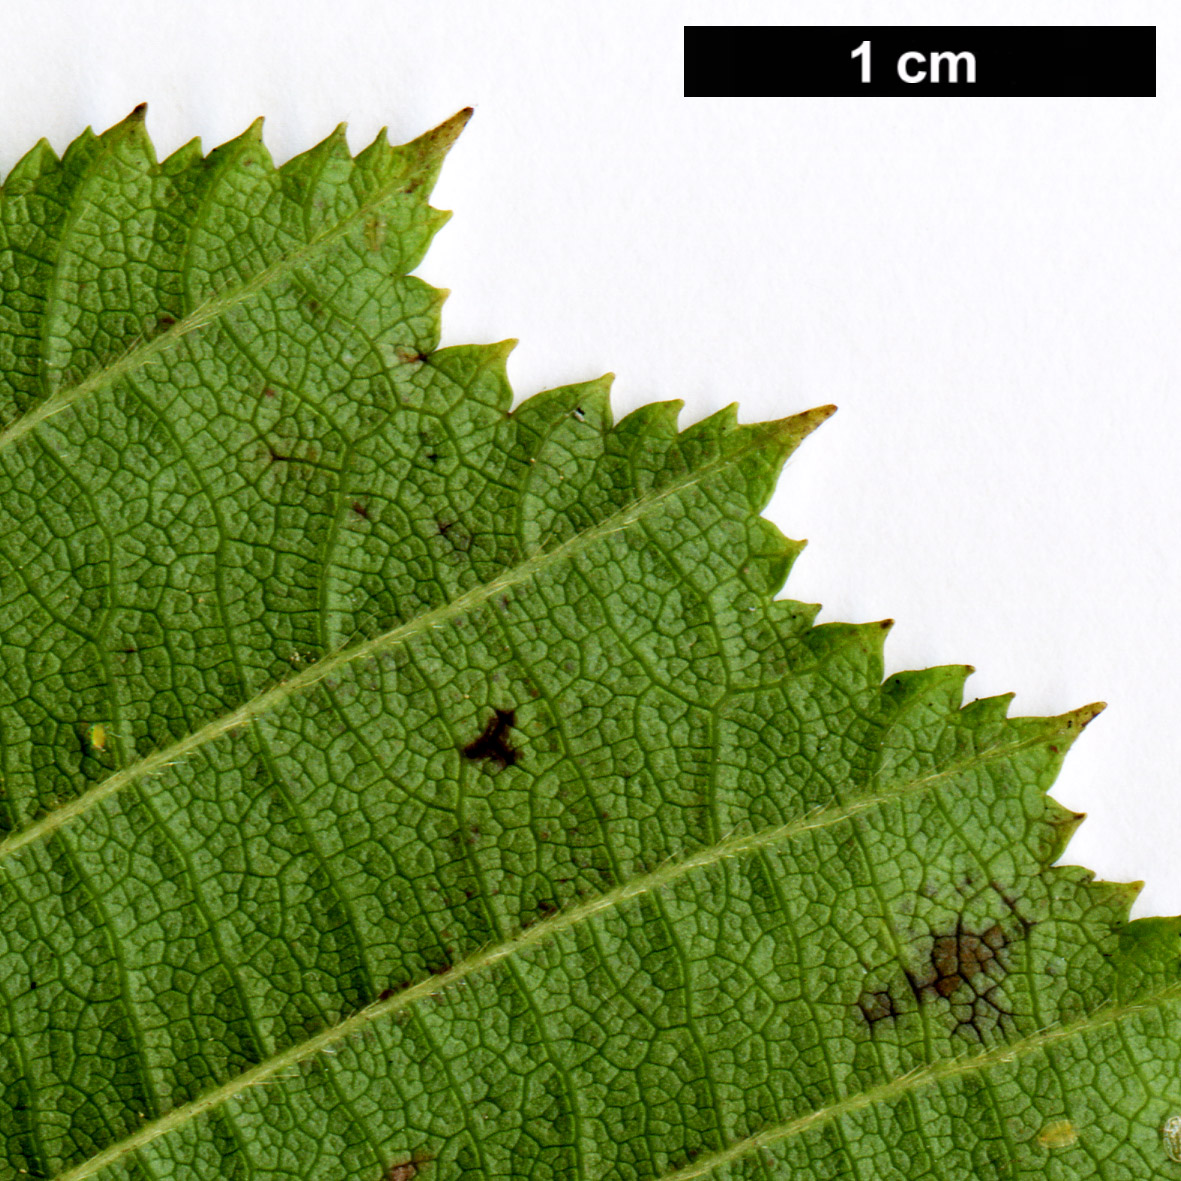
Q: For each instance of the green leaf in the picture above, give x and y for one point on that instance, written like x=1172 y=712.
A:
x=395 y=786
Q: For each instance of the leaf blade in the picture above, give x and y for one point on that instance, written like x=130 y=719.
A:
x=396 y=781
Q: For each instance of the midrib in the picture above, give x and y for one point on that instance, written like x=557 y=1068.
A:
x=553 y=926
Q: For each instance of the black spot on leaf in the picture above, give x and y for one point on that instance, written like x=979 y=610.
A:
x=492 y=742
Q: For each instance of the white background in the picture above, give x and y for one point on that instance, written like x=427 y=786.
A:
x=988 y=288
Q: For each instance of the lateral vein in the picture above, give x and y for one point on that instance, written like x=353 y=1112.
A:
x=924 y=1076
x=214 y=308
x=271 y=698
x=735 y=846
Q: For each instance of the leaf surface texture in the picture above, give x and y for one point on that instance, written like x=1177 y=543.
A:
x=396 y=784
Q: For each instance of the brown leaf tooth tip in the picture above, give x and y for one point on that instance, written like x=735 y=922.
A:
x=131 y=122
x=798 y=426
x=448 y=131
x=814 y=417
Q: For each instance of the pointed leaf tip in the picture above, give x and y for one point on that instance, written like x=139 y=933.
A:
x=442 y=137
x=799 y=426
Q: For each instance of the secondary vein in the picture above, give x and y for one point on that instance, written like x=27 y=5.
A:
x=271 y=698
x=143 y=352
x=735 y=846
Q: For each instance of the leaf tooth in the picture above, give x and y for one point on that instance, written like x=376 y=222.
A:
x=1068 y=726
x=421 y=158
x=987 y=710
x=791 y=616
x=799 y=426
x=465 y=363
x=186 y=156
x=248 y=140
x=656 y=420
x=597 y=393
x=784 y=435
x=1147 y=958
x=928 y=685
x=436 y=143
x=39 y=159
x=1063 y=824
x=1119 y=895
x=132 y=132
x=588 y=400
x=377 y=156
x=334 y=145
x=725 y=419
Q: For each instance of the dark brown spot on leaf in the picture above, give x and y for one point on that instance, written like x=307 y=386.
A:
x=492 y=742
x=965 y=968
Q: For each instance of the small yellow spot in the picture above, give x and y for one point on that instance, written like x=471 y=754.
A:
x=98 y=736
x=1060 y=1134
x=1172 y=1134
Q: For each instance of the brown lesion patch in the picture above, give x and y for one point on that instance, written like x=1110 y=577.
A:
x=457 y=537
x=410 y=356
x=408 y=1170
x=961 y=970
x=877 y=1006
x=277 y=456
x=966 y=967
x=492 y=742
x=958 y=959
